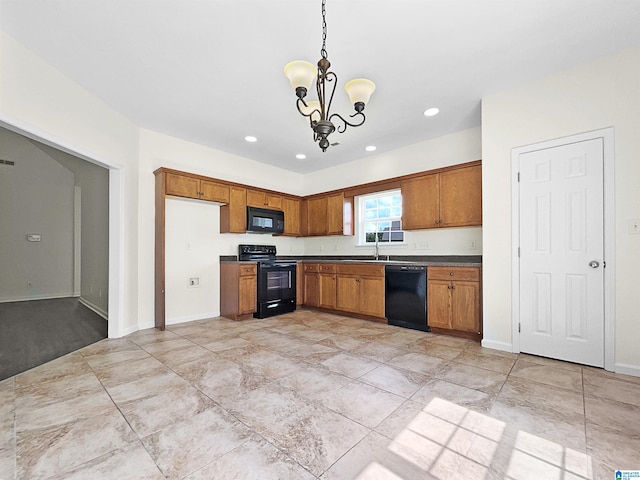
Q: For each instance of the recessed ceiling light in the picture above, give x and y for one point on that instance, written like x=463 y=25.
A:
x=370 y=148
x=250 y=139
x=430 y=112
x=301 y=156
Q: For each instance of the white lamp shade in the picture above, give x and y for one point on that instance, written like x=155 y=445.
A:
x=311 y=106
x=359 y=90
x=300 y=73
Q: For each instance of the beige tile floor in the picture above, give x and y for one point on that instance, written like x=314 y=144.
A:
x=310 y=395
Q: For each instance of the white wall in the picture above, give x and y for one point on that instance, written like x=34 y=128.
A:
x=197 y=224
x=37 y=196
x=460 y=147
x=38 y=100
x=93 y=182
x=600 y=94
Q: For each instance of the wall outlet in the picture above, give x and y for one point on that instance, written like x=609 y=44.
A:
x=634 y=226
x=472 y=245
x=194 y=282
x=423 y=246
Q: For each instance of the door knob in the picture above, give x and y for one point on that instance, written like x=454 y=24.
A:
x=594 y=264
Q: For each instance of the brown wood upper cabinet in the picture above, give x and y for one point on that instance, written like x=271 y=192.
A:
x=329 y=215
x=292 y=224
x=257 y=198
x=192 y=187
x=447 y=199
x=233 y=216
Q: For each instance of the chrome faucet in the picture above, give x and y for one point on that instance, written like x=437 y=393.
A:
x=377 y=250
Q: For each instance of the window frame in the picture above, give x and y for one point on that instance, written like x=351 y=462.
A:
x=361 y=221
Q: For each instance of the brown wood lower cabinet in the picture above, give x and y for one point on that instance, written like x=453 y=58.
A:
x=453 y=299
x=299 y=284
x=311 y=284
x=349 y=288
x=327 y=285
x=238 y=290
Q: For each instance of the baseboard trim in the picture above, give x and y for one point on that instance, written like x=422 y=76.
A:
x=36 y=297
x=492 y=344
x=135 y=328
x=191 y=318
x=94 y=308
x=626 y=369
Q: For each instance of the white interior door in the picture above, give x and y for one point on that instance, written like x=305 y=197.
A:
x=561 y=235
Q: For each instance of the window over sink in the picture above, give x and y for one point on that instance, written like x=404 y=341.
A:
x=380 y=215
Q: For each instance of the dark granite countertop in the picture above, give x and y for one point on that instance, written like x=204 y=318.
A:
x=426 y=260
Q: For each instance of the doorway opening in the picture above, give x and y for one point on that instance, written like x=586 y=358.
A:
x=76 y=263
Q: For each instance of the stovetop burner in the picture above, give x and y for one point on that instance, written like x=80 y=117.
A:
x=260 y=253
x=263 y=254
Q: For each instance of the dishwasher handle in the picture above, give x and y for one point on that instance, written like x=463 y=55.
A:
x=405 y=268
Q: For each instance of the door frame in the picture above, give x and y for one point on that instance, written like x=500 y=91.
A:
x=115 y=321
x=608 y=137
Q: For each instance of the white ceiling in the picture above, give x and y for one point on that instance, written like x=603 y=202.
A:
x=210 y=71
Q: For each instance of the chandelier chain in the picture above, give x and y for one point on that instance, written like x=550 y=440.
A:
x=323 y=50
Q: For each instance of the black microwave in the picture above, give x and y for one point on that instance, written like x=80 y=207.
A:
x=265 y=220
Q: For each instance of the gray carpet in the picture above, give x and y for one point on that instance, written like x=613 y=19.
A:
x=35 y=332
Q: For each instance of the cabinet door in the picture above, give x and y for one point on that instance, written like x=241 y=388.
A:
x=247 y=294
x=311 y=289
x=182 y=186
x=328 y=290
x=461 y=197
x=465 y=306
x=347 y=293
x=291 y=209
x=273 y=201
x=371 y=296
x=439 y=303
x=214 y=192
x=255 y=198
x=335 y=214
x=317 y=216
x=233 y=216
x=420 y=203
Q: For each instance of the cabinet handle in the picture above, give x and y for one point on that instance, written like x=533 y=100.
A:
x=451 y=274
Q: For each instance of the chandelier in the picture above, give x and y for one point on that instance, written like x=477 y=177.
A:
x=301 y=74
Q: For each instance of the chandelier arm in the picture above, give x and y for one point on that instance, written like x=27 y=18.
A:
x=333 y=79
x=342 y=128
x=310 y=114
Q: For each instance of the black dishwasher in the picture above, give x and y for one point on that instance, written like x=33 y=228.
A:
x=406 y=296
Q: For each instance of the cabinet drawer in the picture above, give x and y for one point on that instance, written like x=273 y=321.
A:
x=311 y=267
x=327 y=268
x=248 y=270
x=360 y=269
x=471 y=274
